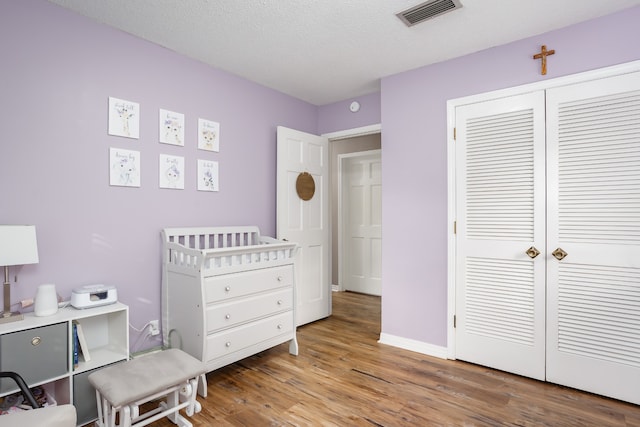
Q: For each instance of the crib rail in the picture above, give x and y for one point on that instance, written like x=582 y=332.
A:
x=212 y=237
x=204 y=249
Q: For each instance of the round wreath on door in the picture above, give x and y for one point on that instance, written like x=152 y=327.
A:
x=305 y=186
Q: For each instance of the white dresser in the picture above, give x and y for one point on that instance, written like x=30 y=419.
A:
x=228 y=293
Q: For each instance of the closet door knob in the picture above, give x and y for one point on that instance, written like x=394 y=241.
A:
x=559 y=254
x=532 y=252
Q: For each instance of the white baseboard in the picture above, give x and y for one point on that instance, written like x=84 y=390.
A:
x=413 y=345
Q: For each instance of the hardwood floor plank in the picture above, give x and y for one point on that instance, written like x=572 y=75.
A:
x=344 y=377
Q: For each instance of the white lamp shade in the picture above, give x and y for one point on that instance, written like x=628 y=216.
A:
x=18 y=245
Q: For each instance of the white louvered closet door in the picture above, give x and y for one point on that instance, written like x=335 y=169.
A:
x=500 y=204
x=593 y=143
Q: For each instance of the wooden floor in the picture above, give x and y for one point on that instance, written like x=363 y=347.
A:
x=343 y=377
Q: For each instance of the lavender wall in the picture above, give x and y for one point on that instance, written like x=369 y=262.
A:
x=414 y=143
x=58 y=70
x=337 y=116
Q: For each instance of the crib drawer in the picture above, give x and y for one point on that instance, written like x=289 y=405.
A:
x=236 y=339
x=226 y=286
x=233 y=313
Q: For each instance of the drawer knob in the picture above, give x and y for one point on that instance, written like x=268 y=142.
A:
x=227 y=344
x=36 y=341
x=227 y=288
x=279 y=326
x=279 y=302
x=228 y=316
x=279 y=278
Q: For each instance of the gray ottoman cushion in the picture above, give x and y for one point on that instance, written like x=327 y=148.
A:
x=146 y=375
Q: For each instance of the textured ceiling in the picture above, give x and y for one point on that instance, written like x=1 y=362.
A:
x=323 y=51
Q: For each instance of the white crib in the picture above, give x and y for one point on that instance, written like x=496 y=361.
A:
x=227 y=293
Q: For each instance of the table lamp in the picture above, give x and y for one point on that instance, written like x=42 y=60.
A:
x=18 y=246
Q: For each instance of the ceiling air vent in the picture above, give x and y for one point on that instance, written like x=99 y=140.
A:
x=428 y=10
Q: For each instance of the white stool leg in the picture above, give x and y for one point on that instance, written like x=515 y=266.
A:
x=188 y=393
x=112 y=413
x=125 y=416
x=173 y=401
x=101 y=421
x=202 y=386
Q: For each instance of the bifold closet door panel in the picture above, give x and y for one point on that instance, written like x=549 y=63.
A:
x=500 y=192
x=593 y=293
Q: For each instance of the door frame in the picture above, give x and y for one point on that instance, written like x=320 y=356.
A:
x=452 y=104
x=336 y=136
x=342 y=210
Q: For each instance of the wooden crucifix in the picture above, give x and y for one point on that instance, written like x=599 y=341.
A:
x=543 y=55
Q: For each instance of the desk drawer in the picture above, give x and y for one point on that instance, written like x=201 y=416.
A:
x=236 y=339
x=37 y=355
x=233 y=313
x=226 y=286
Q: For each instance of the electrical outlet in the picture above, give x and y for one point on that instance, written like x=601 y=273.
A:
x=154 y=327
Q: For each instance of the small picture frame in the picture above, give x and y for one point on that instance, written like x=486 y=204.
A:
x=171 y=172
x=124 y=118
x=124 y=168
x=171 y=129
x=208 y=175
x=208 y=135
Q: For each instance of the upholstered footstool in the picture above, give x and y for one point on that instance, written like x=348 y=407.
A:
x=122 y=388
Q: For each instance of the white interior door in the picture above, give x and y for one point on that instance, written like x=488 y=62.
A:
x=500 y=203
x=305 y=222
x=362 y=223
x=593 y=138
